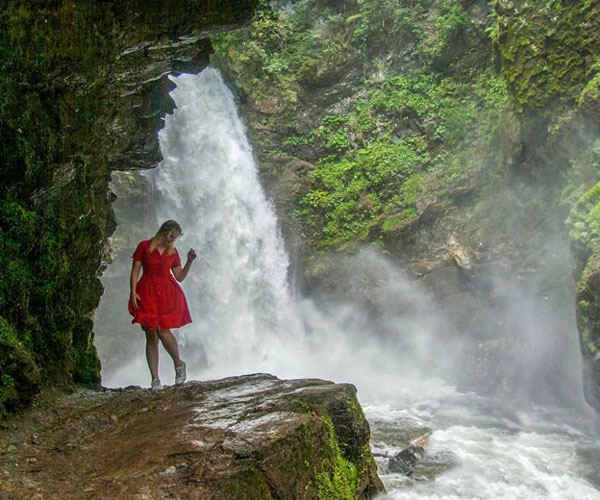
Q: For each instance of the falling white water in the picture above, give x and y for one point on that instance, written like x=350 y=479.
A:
x=238 y=291
x=246 y=319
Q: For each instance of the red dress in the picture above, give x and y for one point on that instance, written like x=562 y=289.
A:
x=162 y=302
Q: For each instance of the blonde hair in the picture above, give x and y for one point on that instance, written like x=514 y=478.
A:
x=166 y=229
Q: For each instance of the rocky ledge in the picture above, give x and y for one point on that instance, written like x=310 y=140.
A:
x=250 y=437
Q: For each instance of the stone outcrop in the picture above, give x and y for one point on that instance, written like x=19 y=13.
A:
x=156 y=39
x=252 y=437
x=83 y=90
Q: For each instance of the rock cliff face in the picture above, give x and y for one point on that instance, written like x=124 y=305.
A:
x=83 y=88
x=253 y=437
x=552 y=69
x=483 y=221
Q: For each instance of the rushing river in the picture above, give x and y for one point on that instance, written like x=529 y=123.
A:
x=247 y=319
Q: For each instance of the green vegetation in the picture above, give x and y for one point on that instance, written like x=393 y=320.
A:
x=587 y=310
x=343 y=482
x=584 y=221
x=19 y=372
x=344 y=447
x=405 y=132
x=53 y=196
x=409 y=137
x=584 y=231
x=541 y=78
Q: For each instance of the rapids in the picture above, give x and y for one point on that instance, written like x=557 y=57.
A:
x=247 y=318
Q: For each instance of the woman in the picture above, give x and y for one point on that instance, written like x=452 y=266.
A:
x=156 y=301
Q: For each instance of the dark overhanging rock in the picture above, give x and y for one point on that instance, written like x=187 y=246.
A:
x=160 y=39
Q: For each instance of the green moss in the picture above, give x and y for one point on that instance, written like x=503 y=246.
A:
x=399 y=221
x=86 y=366
x=53 y=185
x=342 y=482
x=584 y=222
x=20 y=377
x=591 y=91
x=545 y=49
x=340 y=441
x=588 y=307
x=586 y=336
x=449 y=21
x=249 y=483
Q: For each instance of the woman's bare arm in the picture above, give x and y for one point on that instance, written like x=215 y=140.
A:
x=179 y=272
x=133 y=279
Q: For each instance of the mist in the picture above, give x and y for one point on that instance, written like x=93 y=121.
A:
x=246 y=317
x=389 y=337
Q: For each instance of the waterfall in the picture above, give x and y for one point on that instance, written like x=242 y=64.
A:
x=247 y=319
x=245 y=316
x=237 y=290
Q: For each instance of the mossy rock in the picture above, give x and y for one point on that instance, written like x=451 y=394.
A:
x=547 y=49
x=19 y=374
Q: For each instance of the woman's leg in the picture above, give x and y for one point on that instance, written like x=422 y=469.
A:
x=152 y=352
x=170 y=342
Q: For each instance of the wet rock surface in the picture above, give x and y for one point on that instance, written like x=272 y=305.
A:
x=252 y=437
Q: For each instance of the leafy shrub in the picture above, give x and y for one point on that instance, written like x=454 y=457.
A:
x=411 y=126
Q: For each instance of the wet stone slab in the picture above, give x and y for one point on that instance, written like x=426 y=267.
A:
x=252 y=437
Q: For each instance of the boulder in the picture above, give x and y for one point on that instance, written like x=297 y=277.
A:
x=250 y=437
